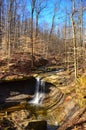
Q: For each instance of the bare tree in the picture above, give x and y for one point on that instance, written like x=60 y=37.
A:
x=74 y=37
x=40 y=6
x=32 y=14
x=10 y=28
x=55 y=9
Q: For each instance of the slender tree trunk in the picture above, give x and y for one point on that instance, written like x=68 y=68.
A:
x=0 y=23
x=74 y=40
x=81 y=24
x=52 y=26
x=9 y=42
x=37 y=24
x=32 y=35
x=32 y=13
x=10 y=34
x=65 y=46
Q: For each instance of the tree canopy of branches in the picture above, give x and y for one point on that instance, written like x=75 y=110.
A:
x=43 y=28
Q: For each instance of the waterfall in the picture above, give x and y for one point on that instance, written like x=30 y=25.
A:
x=39 y=92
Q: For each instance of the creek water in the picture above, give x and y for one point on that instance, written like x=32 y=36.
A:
x=37 y=89
x=37 y=100
x=39 y=93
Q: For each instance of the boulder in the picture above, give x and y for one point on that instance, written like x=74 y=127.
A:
x=37 y=125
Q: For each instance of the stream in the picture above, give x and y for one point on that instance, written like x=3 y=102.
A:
x=30 y=99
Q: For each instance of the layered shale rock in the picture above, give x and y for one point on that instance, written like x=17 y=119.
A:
x=55 y=107
x=58 y=105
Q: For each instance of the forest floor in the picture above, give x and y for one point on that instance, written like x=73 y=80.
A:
x=21 y=64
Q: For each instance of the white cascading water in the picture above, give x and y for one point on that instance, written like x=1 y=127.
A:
x=39 y=92
x=42 y=92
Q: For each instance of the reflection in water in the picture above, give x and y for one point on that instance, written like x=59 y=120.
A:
x=52 y=127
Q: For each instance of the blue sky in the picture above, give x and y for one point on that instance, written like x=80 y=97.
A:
x=46 y=14
x=61 y=12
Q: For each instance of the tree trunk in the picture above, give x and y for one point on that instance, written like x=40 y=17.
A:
x=74 y=40
x=32 y=13
x=37 y=24
x=0 y=23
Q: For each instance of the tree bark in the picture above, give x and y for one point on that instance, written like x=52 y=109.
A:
x=32 y=13
x=0 y=23
x=74 y=40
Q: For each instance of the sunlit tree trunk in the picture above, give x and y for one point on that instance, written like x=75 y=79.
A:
x=74 y=39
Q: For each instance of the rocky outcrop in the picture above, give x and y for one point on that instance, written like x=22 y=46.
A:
x=17 y=90
x=56 y=106
x=53 y=99
x=57 y=77
x=78 y=121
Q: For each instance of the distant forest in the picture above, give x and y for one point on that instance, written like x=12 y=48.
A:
x=53 y=30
